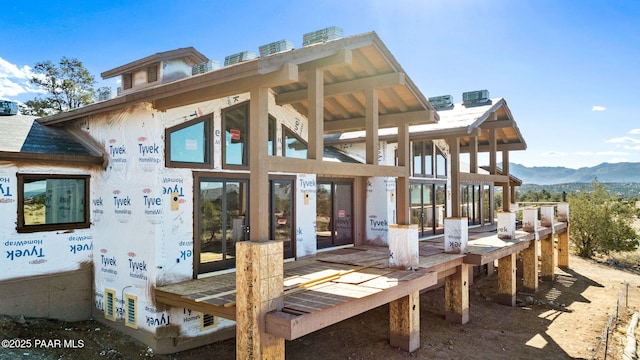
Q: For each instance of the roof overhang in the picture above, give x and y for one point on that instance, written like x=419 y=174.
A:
x=189 y=53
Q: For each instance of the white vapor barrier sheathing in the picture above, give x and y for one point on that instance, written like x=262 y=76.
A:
x=563 y=212
x=306 y=215
x=456 y=235
x=381 y=205
x=506 y=225
x=144 y=213
x=404 y=252
x=38 y=253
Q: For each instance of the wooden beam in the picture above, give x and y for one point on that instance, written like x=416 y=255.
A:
x=315 y=114
x=342 y=57
x=507 y=280
x=456 y=295
x=319 y=167
x=497 y=124
x=563 y=249
x=222 y=87
x=492 y=151
x=499 y=147
x=460 y=132
x=403 y=201
x=530 y=268
x=404 y=322
x=547 y=266
x=371 y=125
x=473 y=155
x=506 y=193
x=384 y=121
x=496 y=179
x=454 y=149
x=345 y=87
x=259 y=175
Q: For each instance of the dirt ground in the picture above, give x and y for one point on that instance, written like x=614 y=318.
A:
x=563 y=320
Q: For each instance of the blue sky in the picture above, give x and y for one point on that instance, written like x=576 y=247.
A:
x=569 y=70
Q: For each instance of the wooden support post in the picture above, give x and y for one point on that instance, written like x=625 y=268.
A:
x=371 y=125
x=260 y=289
x=404 y=322
x=315 y=98
x=563 y=249
x=530 y=267
x=507 y=280
x=547 y=267
x=402 y=186
x=506 y=192
x=456 y=295
x=473 y=154
x=258 y=165
x=454 y=147
x=493 y=149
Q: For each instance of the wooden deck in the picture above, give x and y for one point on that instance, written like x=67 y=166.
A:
x=342 y=283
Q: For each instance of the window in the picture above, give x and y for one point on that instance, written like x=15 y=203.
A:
x=52 y=202
x=236 y=135
x=189 y=144
x=334 y=214
x=422 y=158
x=127 y=81
x=441 y=164
x=131 y=311
x=152 y=73
x=282 y=227
x=272 y=136
x=292 y=145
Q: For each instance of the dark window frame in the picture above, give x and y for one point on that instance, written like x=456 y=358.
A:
x=285 y=132
x=223 y=125
x=208 y=144
x=20 y=225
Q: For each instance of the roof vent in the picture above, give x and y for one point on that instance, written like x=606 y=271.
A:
x=239 y=57
x=322 y=35
x=8 y=108
x=444 y=102
x=476 y=98
x=275 y=47
x=204 y=67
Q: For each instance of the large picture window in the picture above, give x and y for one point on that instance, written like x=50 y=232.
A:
x=292 y=145
x=236 y=135
x=189 y=144
x=52 y=202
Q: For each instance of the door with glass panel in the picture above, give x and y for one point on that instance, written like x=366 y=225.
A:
x=334 y=214
x=422 y=212
x=222 y=221
x=282 y=221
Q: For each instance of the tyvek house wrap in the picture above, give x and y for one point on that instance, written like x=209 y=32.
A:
x=39 y=253
x=143 y=238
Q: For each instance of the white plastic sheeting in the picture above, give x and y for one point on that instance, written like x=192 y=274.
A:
x=29 y=254
x=456 y=235
x=381 y=207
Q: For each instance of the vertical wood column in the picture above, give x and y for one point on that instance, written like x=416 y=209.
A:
x=547 y=266
x=473 y=155
x=563 y=249
x=402 y=185
x=258 y=157
x=506 y=192
x=530 y=267
x=507 y=280
x=404 y=322
x=316 y=114
x=456 y=295
x=259 y=290
x=493 y=149
x=371 y=125
x=454 y=149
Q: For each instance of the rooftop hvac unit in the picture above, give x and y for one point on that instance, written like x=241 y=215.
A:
x=8 y=108
x=239 y=57
x=443 y=102
x=275 y=47
x=476 y=98
x=327 y=34
x=205 y=67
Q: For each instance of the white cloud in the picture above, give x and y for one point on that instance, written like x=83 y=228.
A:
x=583 y=153
x=624 y=140
x=634 y=132
x=609 y=153
x=598 y=108
x=9 y=70
x=14 y=80
x=635 y=147
x=554 y=154
x=618 y=160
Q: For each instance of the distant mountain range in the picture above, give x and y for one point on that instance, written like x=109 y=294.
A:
x=604 y=173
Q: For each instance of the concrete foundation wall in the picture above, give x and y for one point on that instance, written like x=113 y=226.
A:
x=64 y=296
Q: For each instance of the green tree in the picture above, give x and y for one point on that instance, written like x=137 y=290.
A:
x=601 y=223
x=68 y=85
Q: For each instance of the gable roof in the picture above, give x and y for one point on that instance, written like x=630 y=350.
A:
x=26 y=140
x=351 y=65
x=189 y=52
